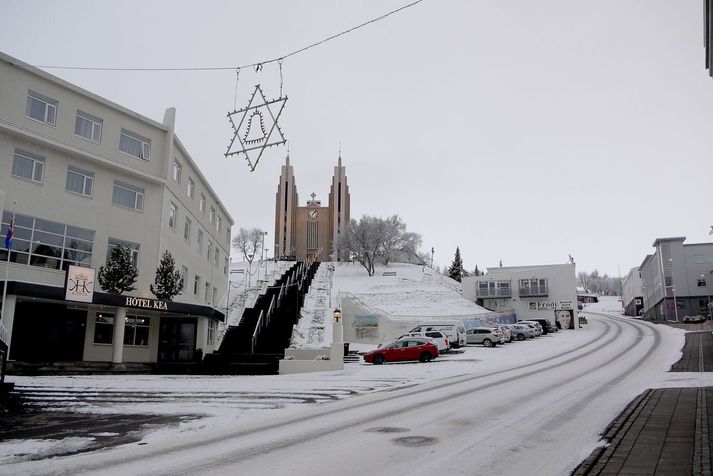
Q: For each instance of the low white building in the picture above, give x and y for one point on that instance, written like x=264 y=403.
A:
x=83 y=174
x=544 y=291
x=632 y=292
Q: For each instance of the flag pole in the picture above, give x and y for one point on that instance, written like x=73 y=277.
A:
x=8 y=243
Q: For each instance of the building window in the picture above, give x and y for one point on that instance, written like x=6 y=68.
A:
x=212 y=214
x=184 y=277
x=196 y=285
x=79 y=181
x=135 y=145
x=215 y=296
x=187 y=230
x=47 y=244
x=207 y=292
x=136 y=331
x=212 y=328
x=177 y=171
x=41 y=108
x=210 y=249
x=104 y=328
x=191 y=188
x=199 y=241
x=134 y=248
x=172 y=215
x=701 y=282
x=128 y=196
x=220 y=224
x=225 y=266
x=28 y=166
x=88 y=127
x=201 y=205
x=227 y=236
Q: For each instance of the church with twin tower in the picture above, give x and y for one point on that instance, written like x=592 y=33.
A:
x=310 y=232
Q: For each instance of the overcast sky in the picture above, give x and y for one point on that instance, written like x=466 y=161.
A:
x=520 y=131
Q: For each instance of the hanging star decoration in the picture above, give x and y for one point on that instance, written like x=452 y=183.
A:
x=257 y=127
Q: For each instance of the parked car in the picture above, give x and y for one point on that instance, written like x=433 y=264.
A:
x=535 y=325
x=488 y=336
x=697 y=319
x=507 y=332
x=439 y=337
x=522 y=332
x=535 y=329
x=454 y=330
x=546 y=325
x=410 y=348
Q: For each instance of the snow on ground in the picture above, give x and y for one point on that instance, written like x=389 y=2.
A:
x=413 y=291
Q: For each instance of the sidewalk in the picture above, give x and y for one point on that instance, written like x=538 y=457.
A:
x=663 y=431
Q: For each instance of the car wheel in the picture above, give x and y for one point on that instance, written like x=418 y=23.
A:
x=521 y=337
x=378 y=359
x=487 y=343
x=425 y=357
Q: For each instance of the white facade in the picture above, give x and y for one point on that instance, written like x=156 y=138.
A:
x=632 y=292
x=84 y=173
x=545 y=291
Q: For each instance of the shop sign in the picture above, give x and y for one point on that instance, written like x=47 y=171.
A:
x=80 y=284
x=542 y=305
x=144 y=303
x=565 y=305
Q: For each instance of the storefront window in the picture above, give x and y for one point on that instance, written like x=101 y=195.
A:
x=104 y=328
x=137 y=331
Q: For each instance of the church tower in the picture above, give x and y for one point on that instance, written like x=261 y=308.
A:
x=338 y=208
x=285 y=211
x=310 y=232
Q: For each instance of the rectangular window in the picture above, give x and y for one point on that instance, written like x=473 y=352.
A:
x=196 y=285
x=225 y=266
x=210 y=249
x=177 y=171
x=134 y=144
x=220 y=224
x=41 y=108
x=212 y=328
x=701 y=282
x=191 y=188
x=172 y=215
x=184 y=277
x=28 y=166
x=199 y=241
x=227 y=236
x=79 y=181
x=136 y=331
x=214 y=296
x=207 y=292
x=201 y=205
x=128 y=196
x=133 y=247
x=88 y=127
x=103 y=328
x=212 y=214
x=187 y=230
x=217 y=253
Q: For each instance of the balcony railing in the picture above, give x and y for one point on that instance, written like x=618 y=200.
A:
x=534 y=291
x=493 y=293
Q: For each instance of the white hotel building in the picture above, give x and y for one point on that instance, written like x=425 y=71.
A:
x=84 y=174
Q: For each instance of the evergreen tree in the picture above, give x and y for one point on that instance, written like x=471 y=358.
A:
x=476 y=271
x=168 y=282
x=456 y=271
x=120 y=273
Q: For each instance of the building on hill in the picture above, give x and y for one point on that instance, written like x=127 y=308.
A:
x=310 y=232
x=543 y=291
x=676 y=279
x=84 y=174
x=632 y=293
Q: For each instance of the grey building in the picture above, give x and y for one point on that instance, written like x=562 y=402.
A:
x=83 y=174
x=541 y=291
x=632 y=293
x=676 y=279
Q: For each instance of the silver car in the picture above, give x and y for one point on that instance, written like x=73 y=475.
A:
x=522 y=332
x=488 y=336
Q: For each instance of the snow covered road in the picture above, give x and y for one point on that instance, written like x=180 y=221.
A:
x=535 y=407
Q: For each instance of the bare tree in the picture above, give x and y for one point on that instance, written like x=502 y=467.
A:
x=249 y=242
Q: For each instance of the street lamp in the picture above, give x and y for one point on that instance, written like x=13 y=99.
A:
x=337 y=315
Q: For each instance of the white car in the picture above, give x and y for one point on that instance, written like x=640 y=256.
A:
x=439 y=338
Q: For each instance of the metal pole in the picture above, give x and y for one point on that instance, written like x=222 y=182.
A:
x=7 y=268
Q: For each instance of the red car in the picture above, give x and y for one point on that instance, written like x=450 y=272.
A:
x=408 y=348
